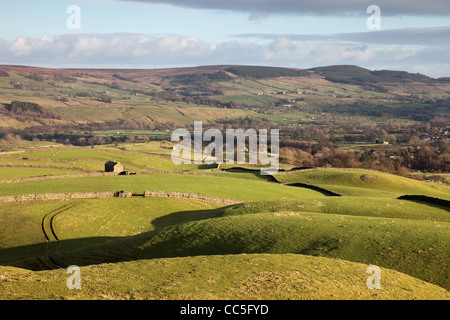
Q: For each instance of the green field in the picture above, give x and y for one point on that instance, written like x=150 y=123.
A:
x=94 y=218
x=353 y=206
x=224 y=187
x=351 y=182
x=387 y=242
x=13 y=173
x=152 y=157
x=252 y=277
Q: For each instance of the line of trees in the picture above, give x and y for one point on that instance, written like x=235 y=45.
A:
x=23 y=111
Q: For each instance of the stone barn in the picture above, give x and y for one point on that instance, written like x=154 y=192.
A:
x=112 y=166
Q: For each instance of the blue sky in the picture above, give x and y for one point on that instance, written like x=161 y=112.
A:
x=152 y=34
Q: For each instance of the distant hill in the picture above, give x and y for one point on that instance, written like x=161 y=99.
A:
x=258 y=72
x=356 y=75
x=350 y=74
x=163 y=98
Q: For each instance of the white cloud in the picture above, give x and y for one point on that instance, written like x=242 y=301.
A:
x=147 y=51
x=257 y=16
x=21 y=47
x=434 y=36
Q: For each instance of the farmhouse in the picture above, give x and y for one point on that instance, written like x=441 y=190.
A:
x=112 y=166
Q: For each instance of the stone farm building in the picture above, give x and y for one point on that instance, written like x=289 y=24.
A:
x=112 y=166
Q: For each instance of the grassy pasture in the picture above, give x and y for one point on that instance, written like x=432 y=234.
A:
x=119 y=217
x=415 y=247
x=123 y=217
x=13 y=173
x=74 y=164
x=180 y=114
x=154 y=155
x=354 y=206
x=93 y=159
x=241 y=175
x=93 y=219
x=350 y=183
x=223 y=187
x=284 y=242
x=158 y=147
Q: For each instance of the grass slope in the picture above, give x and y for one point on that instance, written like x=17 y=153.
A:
x=295 y=239
x=353 y=206
x=240 y=277
x=93 y=220
x=349 y=182
x=415 y=247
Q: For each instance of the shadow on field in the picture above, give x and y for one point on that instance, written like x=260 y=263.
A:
x=431 y=201
x=26 y=256
x=187 y=216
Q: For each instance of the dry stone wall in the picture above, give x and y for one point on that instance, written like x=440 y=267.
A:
x=112 y=194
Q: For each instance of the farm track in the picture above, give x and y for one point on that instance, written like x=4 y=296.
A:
x=51 y=219
x=43 y=221
x=49 y=250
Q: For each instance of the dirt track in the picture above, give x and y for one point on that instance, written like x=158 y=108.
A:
x=52 y=214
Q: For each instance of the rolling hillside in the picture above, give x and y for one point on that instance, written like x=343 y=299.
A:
x=232 y=277
x=167 y=231
x=353 y=182
x=290 y=239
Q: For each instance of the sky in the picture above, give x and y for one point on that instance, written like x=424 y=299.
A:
x=407 y=35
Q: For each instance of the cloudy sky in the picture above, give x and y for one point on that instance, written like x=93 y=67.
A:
x=412 y=35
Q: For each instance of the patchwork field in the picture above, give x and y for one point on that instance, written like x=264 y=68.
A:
x=277 y=241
